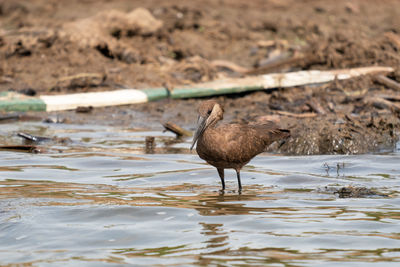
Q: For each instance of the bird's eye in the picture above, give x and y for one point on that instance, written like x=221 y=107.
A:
x=209 y=112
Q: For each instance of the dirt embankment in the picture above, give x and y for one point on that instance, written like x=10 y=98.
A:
x=73 y=46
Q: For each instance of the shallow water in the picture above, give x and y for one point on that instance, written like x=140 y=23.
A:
x=102 y=201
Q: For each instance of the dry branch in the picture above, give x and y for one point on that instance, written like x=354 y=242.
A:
x=296 y=115
x=229 y=65
x=382 y=103
x=393 y=38
x=314 y=105
x=179 y=131
x=387 y=82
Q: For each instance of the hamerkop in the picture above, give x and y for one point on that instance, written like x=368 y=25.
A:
x=231 y=145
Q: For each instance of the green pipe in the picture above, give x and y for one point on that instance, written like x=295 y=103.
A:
x=154 y=94
x=189 y=92
x=22 y=104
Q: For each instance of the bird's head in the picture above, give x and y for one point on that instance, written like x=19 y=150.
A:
x=210 y=112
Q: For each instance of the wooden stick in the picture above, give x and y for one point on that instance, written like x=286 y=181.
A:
x=276 y=65
x=33 y=138
x=179 y=131
x=269 y=43
x=393 y=38
x=380 y=102
x=394 y=97
x=387 y=82
x=313 y=104
x=229 y=65
x=296 y=115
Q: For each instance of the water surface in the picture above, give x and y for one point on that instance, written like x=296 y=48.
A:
x=101 y=200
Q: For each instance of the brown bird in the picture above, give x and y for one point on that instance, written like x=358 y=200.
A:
x=231 y=145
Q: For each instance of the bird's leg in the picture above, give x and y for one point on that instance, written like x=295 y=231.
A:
x=239 y=182
x=221 y=175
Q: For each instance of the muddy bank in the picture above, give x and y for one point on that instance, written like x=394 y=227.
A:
x=373 y=130
x=67 y=47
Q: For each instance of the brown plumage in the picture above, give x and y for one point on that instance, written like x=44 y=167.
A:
x=231 y=145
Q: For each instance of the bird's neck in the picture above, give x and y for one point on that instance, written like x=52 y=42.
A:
x=210 y=129
x=213 y=124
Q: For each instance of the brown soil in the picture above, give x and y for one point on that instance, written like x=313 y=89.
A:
x=113 y=44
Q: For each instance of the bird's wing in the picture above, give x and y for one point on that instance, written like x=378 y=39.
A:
x=239 y=143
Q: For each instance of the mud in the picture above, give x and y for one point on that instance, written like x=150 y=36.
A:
x=55 y=47
x=357 y=192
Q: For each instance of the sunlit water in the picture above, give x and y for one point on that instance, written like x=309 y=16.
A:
x=103 y=201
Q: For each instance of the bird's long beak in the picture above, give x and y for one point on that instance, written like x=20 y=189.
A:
x=201 y=126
